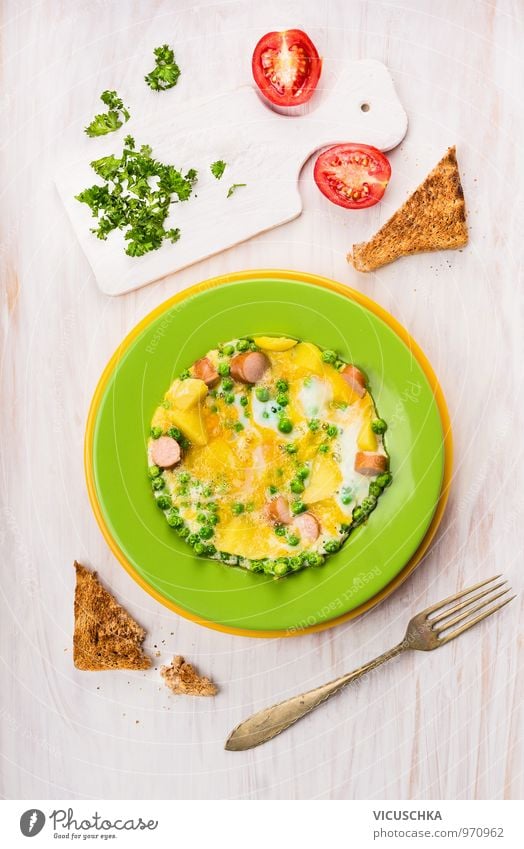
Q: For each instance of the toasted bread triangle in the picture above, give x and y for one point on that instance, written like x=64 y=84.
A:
x=432 y=219
x=182 y=679
x=105 y=636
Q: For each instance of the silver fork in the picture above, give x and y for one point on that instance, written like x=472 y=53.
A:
x=425 y=632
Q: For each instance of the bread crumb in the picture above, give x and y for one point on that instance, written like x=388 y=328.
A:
x=182 y=679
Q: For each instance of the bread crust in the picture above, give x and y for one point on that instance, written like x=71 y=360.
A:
x=433 y=218
x=182 y=679
x=105 y=635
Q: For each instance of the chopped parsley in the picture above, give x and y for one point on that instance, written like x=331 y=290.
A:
x=135 y=197
x=108 y=122
x=218 y=168
x=166 y=73
x=234 y=187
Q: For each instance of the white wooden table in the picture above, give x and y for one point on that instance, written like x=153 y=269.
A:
x=445 y=725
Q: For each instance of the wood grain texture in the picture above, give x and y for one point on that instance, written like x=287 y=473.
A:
x=446 y=725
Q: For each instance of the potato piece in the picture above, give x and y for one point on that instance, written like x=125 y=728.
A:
x=184 y=394
x=366 y=440
x=307 y=357
x=274 y=343
x=191 y=423
x=342 y=392
x=324 y=480
x=161 y=418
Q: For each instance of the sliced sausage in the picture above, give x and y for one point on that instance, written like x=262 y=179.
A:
x=307 y=526
x=278 y=510
x=205 y=370
x=249 y=367
x=165 y=452
x=370 y=464
x=355 y=379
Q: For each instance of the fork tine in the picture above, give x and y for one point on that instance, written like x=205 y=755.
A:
x=466 y=603
x=479 y=618
x=462 y=593
x=467 y=613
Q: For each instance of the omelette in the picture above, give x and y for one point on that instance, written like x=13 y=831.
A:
x=266 y=453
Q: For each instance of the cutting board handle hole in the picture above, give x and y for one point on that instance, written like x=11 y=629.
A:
x=365 y=107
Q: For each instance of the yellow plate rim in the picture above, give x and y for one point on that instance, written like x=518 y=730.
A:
x=340 y=289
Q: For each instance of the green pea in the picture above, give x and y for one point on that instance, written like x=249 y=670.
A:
x=281 y=567
x=295 y=563
x=379 y=426
x=238 y=426
x=244 y=400
x=183 y=532
x=293 y=539
x=199 y=548
x=272 y=489
x=228 y=350
x=174 y=519
x=223 y=369
x=184 y=477
x=156 y=432
x=210 y=549
x=346 y=498
x=358 y=515
x=280 y=530
x=339 y=364
x=384 y=480
x=282 y=399
x=296 y=486
x=214 y=408
x=329 y=356
x=202 y=518
x=166 y=405
x=243 y=345
x=285 y=425
x=298 y=507
x=237 y=508
x=331 y=546
x=207 y=491
x=282 y=385
x=153 y=471
x=265 y=415
x=184 y=443
x=229 y=398
x=206 y=532
x=212 y=506
x=158 y=483
x=174 y=433
x=368 y=504
x=228 y=383
x=164 y=502
x=374 y=489
x=291 y=448
x=256 y=566
x=262 y=393
x=193 y=539
x=314 y=559
x=324 y=448
x=313 y=425
x=185 y=374
x=213 y=520
x=332 y=430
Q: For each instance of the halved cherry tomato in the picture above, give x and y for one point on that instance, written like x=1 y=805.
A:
x=286 y=67
x=352 y=175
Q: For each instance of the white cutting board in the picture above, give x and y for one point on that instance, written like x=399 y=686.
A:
x=263 y=149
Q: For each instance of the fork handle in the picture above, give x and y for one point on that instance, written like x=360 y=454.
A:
x=267 y=723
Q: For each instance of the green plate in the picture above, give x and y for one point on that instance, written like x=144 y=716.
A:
x=377 y=556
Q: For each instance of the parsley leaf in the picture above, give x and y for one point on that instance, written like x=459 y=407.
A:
x=217 y=168
x=234 y=187
x=166 y=73
x=135 y=197
x=108 y=122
